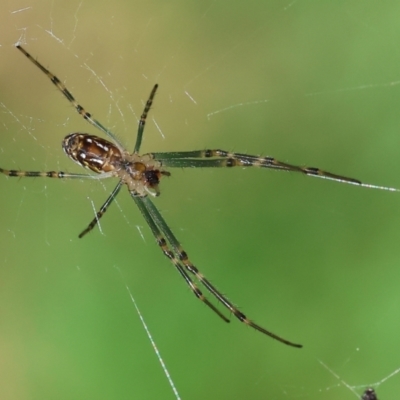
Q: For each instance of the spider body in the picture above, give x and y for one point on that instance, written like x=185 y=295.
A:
x=142 y=174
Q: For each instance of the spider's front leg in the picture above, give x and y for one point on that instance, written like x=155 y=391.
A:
x=223 y=158
x=142 y=203
x=179 y=257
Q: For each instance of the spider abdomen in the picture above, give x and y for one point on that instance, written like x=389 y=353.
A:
x=139 y=173
x=92 y=152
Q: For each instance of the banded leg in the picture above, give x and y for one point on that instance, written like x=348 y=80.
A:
x=170 y=255
x=222 y=158
x=61 y=87
x=143 y=118
x=50 y=174
x=102 y=210
x=179 y=254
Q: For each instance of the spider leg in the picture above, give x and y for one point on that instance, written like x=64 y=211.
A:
x=102 y=210
x=222 y=158
x=143 y=117
x=51 y=174
x=62 y=175
x=157 y=224
x=61 y=87
x=142 y=203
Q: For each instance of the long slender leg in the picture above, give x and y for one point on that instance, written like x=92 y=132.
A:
x=143 y=117
x=50 y=174
x=170 y=255
x=102 y=210
x=222 y=158
x=156 y=218
x=62 y=175
x=61 y=87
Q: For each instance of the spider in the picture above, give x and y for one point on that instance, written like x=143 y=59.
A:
x=142 y=175
x=369 y=394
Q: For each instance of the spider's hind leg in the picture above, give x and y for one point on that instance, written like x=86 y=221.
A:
x=49 y=174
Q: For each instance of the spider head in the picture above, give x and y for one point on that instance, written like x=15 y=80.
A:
x=151 y=179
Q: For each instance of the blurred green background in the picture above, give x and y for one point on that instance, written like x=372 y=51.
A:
x=314 y=261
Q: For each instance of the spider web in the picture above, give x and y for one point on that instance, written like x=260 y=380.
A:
x=315 y=262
